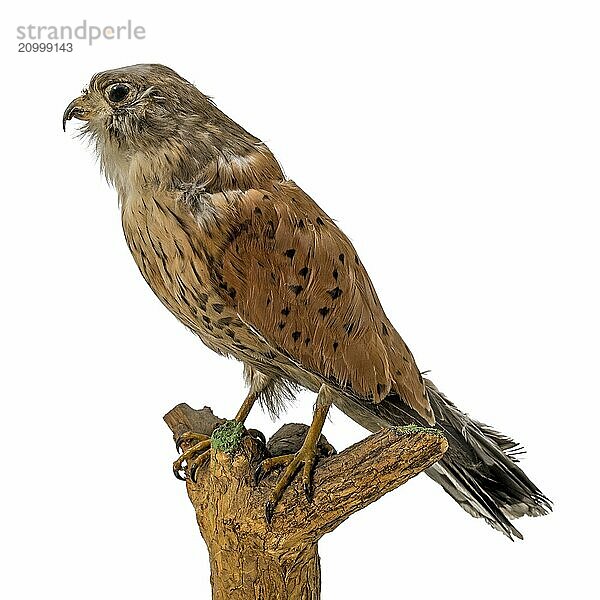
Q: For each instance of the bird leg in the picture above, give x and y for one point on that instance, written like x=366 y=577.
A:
x=199 y=453
x=305 y=458
x=247 y=405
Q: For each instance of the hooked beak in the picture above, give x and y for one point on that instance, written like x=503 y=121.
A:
x=75 y=109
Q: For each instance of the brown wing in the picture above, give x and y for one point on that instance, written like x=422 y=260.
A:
x=301 y=285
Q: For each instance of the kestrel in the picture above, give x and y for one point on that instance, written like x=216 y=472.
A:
x=244 y=258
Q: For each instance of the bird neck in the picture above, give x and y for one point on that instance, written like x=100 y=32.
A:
x=173 y=164
x=256 y=168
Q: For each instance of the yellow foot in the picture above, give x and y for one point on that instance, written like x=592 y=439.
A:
x=305 y=458
x=194 y=457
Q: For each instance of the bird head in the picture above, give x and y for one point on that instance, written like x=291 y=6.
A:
x=126 y=104
x=147 y=120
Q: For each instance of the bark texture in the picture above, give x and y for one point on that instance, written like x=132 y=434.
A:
x=253 y=560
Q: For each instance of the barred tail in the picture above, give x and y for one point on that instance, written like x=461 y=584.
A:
x=480 y=472
x=479 y=469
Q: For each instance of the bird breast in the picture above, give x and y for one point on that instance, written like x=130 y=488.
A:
x=178 y=258
x=164 y=242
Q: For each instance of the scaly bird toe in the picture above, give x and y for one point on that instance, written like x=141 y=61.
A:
x=196 y=463
x=304 y=458
x=189 y=437
x=269 y=464
x=193 y=457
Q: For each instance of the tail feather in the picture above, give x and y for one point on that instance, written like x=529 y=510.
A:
x=494 y=470
x=479 y=469
x=472 y=497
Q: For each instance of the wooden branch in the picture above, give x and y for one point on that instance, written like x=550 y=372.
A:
x=361 y=474
x=253 y=559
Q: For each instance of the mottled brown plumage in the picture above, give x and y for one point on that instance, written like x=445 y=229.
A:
x=252 y=265
x=292 y=275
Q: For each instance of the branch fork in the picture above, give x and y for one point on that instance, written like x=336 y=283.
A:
x=253 y=559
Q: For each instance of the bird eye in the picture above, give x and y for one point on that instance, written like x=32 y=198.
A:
x=118 y=92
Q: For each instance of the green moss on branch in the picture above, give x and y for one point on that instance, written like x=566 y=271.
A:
x=227 y=437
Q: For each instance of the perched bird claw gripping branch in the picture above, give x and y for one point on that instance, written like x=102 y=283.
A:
x=248 y=261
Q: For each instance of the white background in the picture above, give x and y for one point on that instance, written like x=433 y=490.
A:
x=456 y=143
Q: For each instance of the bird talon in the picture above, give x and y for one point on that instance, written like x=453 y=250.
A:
x=193 y=457
x=195 y=465
x=269 y=464
x=258 y=474
x=269 y=510
x=307 y=470
x=293 y=462
x=189 y=436
x=308 y=491
x=177 y=473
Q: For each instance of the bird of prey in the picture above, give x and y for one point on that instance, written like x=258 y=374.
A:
x=250 y=263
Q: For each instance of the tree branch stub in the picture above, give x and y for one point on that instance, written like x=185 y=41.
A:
x=253 y=559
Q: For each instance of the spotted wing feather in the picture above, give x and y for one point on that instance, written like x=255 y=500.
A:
x=299 y=282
